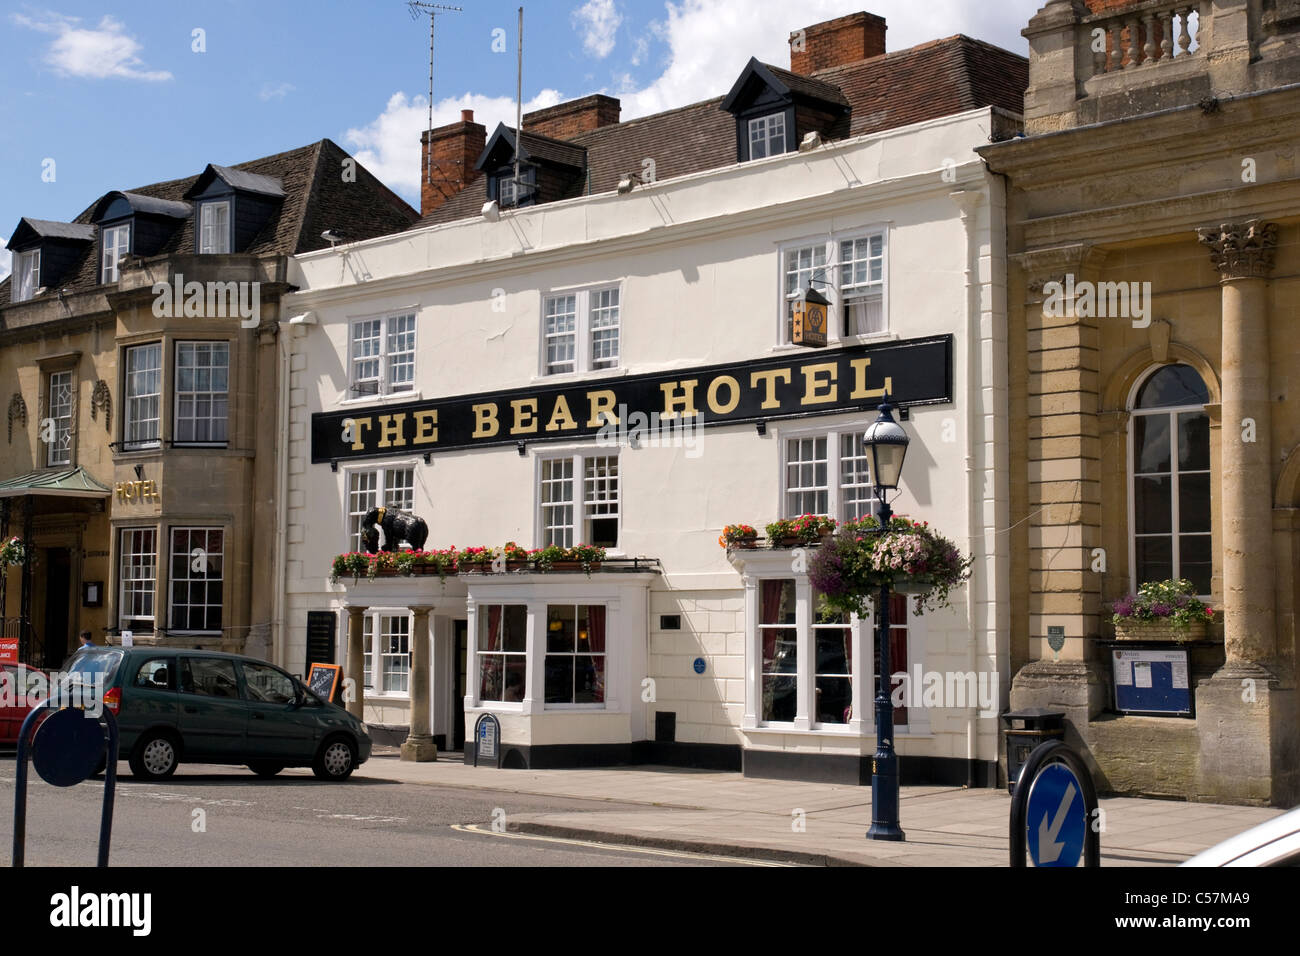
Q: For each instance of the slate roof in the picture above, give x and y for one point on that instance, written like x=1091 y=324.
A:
x=139 y=202
x=316 y=198
x=248 y=182
x=46 y=229
x=896 y=89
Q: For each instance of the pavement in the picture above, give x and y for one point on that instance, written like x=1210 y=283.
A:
x=814 y=823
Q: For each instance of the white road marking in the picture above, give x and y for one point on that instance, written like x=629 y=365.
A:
x=622 y=848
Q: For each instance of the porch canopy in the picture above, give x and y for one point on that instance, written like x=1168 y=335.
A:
x=75 y=483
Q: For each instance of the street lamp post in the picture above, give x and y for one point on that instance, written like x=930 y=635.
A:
x=887 y=444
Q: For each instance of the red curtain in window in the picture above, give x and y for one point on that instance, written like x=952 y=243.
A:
x=494 y=627
x=596 y=628
x=769 y=613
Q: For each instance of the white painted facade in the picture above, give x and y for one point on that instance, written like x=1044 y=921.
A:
x=698 y=262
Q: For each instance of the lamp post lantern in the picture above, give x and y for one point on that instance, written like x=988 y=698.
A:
x=886 y=443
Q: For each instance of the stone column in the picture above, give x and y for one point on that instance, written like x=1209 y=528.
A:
x=356 y=669
x=1243 y=255
x=419 y=743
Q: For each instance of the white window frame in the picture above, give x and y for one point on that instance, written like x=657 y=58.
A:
x=585 y=508
x=771 y=130
x=132 y=543
x=211 y=393
x=827 y=282
x=214 y=237
x=1130 y=477
x=61 y=409
x=373 y=655
x=384 y=358
x=508 y=193
x=480 y=622
x=543 y=654
x=26 y=275
x=583 y=333
x=130 y=416
x=836 y=497
x=115 y=242
x=173 y=554
x=383 y=475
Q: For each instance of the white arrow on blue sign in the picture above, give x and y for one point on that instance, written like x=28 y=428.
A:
x=1056 y=817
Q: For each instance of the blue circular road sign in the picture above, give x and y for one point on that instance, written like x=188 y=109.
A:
x=1057 y=819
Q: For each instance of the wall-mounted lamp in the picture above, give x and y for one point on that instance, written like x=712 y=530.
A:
x=334 y=466
x=139 y=472
x=428 y=458
x=903 y=414
x=522 y=449
x=761 y=428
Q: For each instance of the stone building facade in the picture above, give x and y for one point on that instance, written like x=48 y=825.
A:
x=1155 y=398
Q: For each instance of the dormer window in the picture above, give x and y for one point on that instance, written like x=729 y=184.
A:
x=116 y=243
x=767 y=136
x=522 y=193
x=27 y=274
x=214 y=228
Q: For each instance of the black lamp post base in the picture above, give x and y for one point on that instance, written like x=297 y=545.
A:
x=886 y=831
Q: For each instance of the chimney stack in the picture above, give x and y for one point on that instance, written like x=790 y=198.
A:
x=838 y=42
x=566 y=120
x=455 y=150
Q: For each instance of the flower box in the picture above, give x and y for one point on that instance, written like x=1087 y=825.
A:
x=1135 y=630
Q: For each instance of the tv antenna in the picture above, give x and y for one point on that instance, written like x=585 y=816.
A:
x=432 y=11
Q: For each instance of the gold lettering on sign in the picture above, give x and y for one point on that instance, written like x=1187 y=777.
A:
x=684 y=401
x=485 y=420
x=860 y=389
x=390 y=431
x=813 y=383
x=720 y=408
x=602 y=406
x=769 y=379
x=360 y=424
x=525 y=416
x=561 y=418
x=426 y=427
x=133 y=491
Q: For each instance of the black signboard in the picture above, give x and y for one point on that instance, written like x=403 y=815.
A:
x=914 y=371
x=321 y=630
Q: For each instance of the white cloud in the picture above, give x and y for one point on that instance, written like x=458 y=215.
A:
x=390 y=145
x=6 y=260
x=277 y=92
x=105 y=52
x=709 y=41
x=598 y=21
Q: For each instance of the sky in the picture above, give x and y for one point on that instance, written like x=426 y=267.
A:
x=98 y=96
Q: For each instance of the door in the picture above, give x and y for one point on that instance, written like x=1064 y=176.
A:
x=58 y=582
x=460 y=631
x=214 y=717
x=278 y=726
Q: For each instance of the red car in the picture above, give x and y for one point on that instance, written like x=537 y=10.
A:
x=15 y=682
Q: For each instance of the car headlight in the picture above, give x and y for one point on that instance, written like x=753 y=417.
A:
x=364 y=729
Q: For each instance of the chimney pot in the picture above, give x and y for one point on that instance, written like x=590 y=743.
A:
x=467 y=116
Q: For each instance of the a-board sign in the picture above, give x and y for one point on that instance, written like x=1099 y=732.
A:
x=8 y=650
x=1151 y=680
x=487 y=740
x=324 y=680
x=321 y=630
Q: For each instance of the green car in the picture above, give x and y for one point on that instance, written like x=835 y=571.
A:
x=197 y=706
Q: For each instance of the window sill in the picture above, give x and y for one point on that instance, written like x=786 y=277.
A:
x=390 y=398
x=845 y=341
x=791 y=730
x=566 y=377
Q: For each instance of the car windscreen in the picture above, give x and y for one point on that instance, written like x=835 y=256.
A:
x=91 y=663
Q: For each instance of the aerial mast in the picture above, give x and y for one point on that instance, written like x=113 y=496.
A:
x=432 y=11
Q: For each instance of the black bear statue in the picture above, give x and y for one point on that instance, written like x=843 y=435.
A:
x=396 y=526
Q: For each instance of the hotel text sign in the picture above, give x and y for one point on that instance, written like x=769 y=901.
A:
x=915 y=371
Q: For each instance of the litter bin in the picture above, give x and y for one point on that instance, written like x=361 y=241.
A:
x=1026 y=729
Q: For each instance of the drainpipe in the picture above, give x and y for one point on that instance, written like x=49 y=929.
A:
x=279 y=636
x=968 y=201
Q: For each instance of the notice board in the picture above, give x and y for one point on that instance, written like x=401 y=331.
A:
x=321 y=630
x=1151 y=679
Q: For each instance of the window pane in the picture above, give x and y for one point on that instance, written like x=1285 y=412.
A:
x=143 y=394
x=1194 y=503
x=1171 y=386
x=267 y=685
x=561 y=322
x=196 y=563
x=1195 y=560
x=1154 y=559
x=1193 y=441
x=137 y=577
x=777 y=601
x=201 y=402
x=1152 y=506
x=209 y=677
x=1151 y=440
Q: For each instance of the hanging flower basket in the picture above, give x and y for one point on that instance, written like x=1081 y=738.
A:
x=908 y=557
x=1162 y=611
x=12 y=552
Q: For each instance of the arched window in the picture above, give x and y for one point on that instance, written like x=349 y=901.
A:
x=1169 y=465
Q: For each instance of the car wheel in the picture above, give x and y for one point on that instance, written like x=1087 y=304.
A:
x=263 y=769
x=155 y=756
x=335 y=760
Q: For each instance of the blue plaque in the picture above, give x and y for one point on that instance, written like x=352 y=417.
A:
x=700 y=665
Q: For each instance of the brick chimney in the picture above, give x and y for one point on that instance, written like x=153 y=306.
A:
x=566 y=120
x=837 y=42
x=455 y=150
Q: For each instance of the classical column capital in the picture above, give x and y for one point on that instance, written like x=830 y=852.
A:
x=1241 y=250
x=1041 y=266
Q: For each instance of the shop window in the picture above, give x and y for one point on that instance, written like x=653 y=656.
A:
x=196 y=579
x=1169 y=467
x=833 y=658
x=502 y=652
x=575 y=654
x=202 y=392
x=143 y=396
x=850 y=271
x=137 y=578
x=580 y=331
x=587 y=514
x=779 y=641
x=391 y=487
x=60 y=410
x=812 y=460
x=389 y=658
x=382 y=355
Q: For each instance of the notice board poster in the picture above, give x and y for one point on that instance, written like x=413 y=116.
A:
x=1151 y=680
